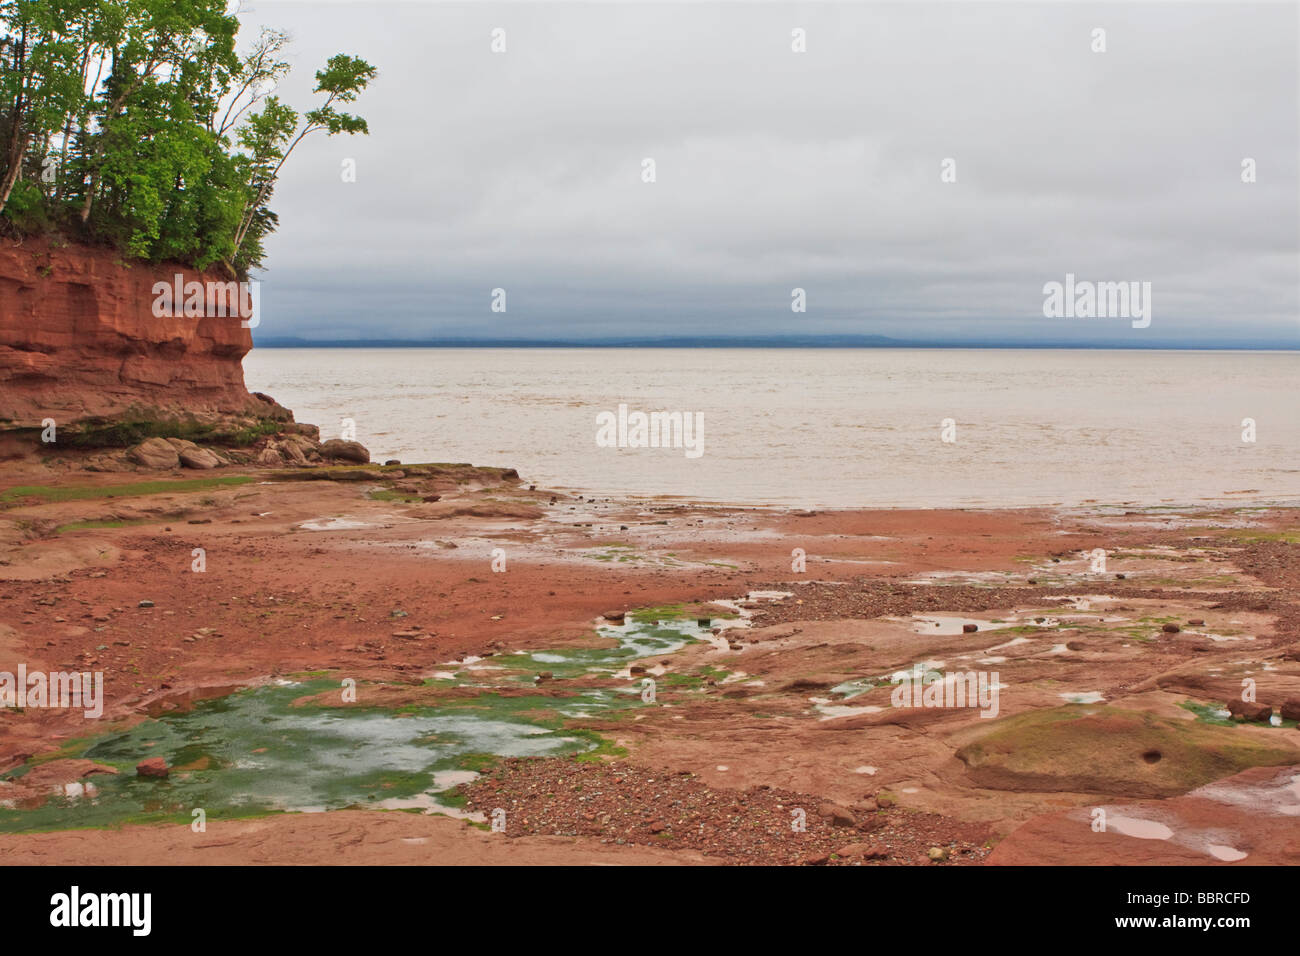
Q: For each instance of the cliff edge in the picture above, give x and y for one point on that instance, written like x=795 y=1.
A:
x=79 y=341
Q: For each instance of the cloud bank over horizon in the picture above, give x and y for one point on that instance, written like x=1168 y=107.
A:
x=777 y=170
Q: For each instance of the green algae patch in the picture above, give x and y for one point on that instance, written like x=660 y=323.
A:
x=1209 y=713
x=47 y=494
x=1216 y=714
x=682 y=681
x=680 y=612
x=1087 y=749
x=388 y=494
x=254 y=752
x=298 y=746
x=1251 y=537
x=658 y=613
x=645 y=634
x=124 y=432
x=603 y=749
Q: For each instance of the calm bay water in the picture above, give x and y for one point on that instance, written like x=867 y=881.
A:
x=826 y=428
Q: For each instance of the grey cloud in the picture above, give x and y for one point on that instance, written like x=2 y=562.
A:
x=775 y=169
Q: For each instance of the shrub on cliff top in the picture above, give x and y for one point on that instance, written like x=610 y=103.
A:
x=138 y=124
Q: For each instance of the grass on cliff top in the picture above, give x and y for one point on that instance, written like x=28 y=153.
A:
x=47 y=494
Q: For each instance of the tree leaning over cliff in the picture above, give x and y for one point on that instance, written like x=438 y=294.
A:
x=137 y=124
x=266 y=135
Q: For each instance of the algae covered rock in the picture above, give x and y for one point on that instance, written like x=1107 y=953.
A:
x=1250 y=710
x=1111 y=750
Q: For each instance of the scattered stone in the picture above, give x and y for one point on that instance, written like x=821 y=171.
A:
x=1171 y=628
x=270 y=458
x=155 y=453
x=854 y=851
x=969 y=628
x=937 y=854
x=155 y=767
x=199 y=458
x=290 y=452
x=836 y=815
x=145 y=603
x=1291 y=708
x=1245 y=710
x=339 y=449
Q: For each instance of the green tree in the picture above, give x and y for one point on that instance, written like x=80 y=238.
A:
x=136 y=123
x=273 y=139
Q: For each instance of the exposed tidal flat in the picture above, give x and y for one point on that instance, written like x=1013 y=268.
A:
x=846 y=428
x=641 y=681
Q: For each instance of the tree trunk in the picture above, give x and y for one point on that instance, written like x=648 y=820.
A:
x=15 y=169
x=19 y=139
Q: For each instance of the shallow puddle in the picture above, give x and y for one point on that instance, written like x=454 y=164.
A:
x=944 y=625
x=1135 y=827
x=336 y=524
x=1084 y=697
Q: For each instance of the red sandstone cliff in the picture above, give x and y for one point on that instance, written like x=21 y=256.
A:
x=79 y=341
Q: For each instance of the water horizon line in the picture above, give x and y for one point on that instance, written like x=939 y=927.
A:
x=764 y=342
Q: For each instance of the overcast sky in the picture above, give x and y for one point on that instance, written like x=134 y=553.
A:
x=775 y=169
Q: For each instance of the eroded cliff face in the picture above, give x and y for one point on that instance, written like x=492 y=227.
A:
x=80 y=344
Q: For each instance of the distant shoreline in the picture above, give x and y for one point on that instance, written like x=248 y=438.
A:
x=865 y=342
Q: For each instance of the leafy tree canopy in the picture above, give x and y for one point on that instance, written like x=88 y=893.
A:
x=141 y=125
